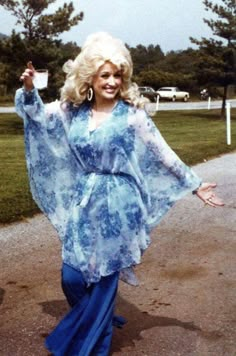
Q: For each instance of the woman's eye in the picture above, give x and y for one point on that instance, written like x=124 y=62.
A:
x=106 y=76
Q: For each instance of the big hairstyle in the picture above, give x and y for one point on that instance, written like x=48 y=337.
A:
x=98 y=49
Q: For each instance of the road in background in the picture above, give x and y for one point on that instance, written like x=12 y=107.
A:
x=198 y=105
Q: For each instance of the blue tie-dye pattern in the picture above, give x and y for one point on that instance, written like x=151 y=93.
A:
x=102 y=190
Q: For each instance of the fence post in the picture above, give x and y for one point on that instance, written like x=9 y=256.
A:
x=209 y=103
x=157 y=102
x=228 y=124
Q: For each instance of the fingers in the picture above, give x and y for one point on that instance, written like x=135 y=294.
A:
x=207 y=186
x=211 y=185
x=29 y=71
x=218 y=202
x=30 y=65
x=26 y=74
x=213 y=201
x=207 y=202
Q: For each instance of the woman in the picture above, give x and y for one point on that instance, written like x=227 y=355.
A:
x=101 y=172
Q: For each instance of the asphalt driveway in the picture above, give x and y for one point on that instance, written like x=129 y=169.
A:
x=185 y=304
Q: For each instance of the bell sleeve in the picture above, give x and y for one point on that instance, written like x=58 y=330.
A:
x=165 y=178
x=52 y=167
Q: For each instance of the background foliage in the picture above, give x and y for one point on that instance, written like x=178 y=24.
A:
x=211 y=64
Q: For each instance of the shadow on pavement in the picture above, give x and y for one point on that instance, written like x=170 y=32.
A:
x=2 y=292
x=137 y=321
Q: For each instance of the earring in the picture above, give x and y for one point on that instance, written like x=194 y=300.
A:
x=90 y=94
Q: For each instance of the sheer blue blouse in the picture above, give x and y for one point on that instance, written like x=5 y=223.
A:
x=103 y=190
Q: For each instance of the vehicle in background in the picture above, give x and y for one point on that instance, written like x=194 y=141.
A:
x=148 y=92
x=204 y=94
x=172 y=93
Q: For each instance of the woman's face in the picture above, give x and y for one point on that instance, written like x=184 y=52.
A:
x=107 y=82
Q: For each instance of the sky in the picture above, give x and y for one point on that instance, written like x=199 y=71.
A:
x=168 y=23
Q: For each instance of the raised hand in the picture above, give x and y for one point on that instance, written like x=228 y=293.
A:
x=27 y=76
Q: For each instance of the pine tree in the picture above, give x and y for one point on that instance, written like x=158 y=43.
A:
x=38 y=25
x=217 y=57
x=37 y=41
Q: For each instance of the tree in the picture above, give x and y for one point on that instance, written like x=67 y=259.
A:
x=145 y=58
x=36 y=24
x=217 y=58
x=38 y=41
x=154 y=68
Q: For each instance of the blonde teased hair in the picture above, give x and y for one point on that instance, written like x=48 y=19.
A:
x=98 y=49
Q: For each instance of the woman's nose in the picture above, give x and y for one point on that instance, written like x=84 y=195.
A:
x=111 y=80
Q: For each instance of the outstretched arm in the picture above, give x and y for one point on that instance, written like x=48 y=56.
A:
x=156 y=143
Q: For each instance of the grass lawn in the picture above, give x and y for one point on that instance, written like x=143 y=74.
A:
x=7 y=104
x=15 y=196
x=194 y=135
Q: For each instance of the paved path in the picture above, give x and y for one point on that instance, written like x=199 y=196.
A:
x=190 y=105
x=7 y=110
x=185 y=304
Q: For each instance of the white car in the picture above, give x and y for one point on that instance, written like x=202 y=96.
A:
x=172 y=93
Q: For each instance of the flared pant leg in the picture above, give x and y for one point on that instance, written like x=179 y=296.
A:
x=87 y=329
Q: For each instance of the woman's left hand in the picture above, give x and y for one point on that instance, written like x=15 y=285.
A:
x=206 y=194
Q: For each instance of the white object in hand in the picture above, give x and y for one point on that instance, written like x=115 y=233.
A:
x=40 y=78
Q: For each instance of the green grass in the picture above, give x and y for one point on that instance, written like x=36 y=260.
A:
x=6 y=104
x=15 y=198
x=194 y=135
